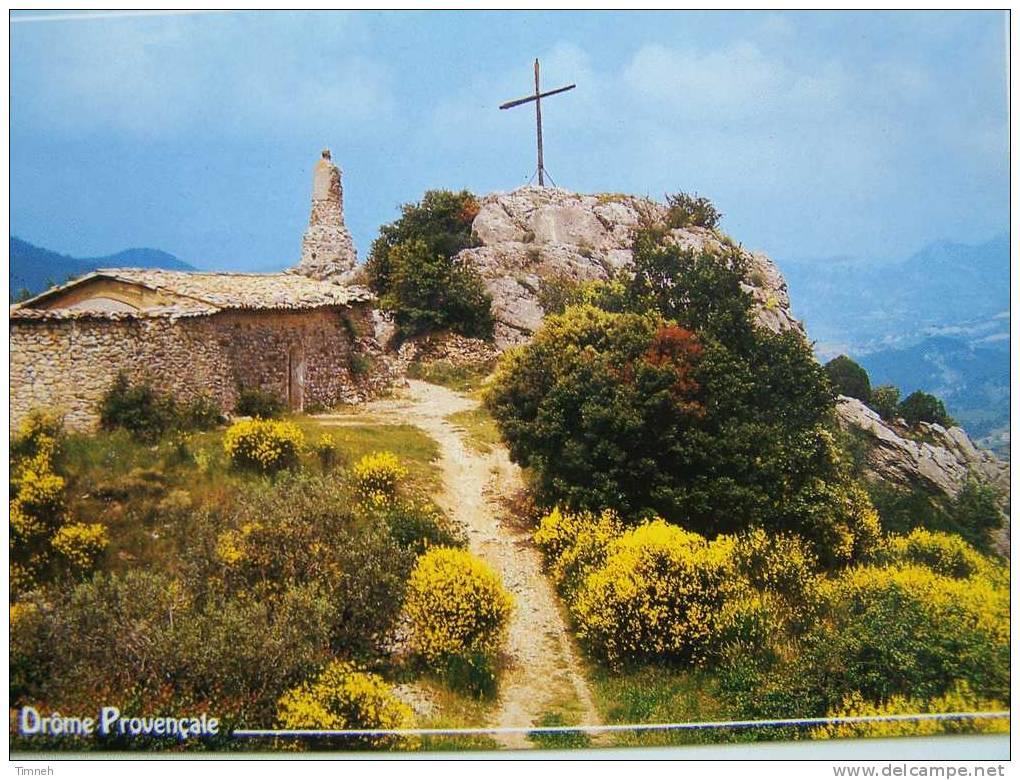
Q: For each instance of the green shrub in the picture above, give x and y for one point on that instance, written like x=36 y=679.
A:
x=629 y=412
x=924 y=407
x=419 y=525
x=255 y=402
x=413 y=268
x=303 y=530
x=210 y=647
x=886 y=632
x=683 y=210
x=200 y=413
x=885 y=399
x=138 y=408
x=848 y=378
x=263 y=445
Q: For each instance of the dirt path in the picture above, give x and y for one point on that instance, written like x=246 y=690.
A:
x=543 y=667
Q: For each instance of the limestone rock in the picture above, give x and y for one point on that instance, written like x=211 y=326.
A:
x=942 y=462
x=535 y=234
x=327 y=249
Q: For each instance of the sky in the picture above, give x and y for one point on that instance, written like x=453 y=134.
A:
x=817 y=134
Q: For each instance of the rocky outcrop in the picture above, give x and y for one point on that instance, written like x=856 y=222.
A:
x=327 y=250
x=535 y=234
x=939 y=460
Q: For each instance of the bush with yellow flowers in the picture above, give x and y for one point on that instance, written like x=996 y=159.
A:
x=885 y=632
x=37 y=505
x=263 y=445
x=344 y=697
x=783 y=567
x=80 y=544
x=376 y=476
x=575 y=543
x=659 y=595
x=946 y=554
x=456 y=605
x=960 y=698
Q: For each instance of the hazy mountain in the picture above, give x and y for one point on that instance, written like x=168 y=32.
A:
x=851 y=305
x=34 y=268
x=937 y=321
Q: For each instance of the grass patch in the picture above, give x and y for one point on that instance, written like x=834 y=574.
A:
x=143 y=492
x=557 y=740
x=462 y=378
x=454 y=710
x=481 y=430
x=660 y=695
x=417 y=451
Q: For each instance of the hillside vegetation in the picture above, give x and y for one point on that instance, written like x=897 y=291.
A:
x=703 y=519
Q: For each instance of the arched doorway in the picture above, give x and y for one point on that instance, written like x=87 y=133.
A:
x=296 y=378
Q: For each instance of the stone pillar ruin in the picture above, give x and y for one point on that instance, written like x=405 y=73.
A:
x=327 y=250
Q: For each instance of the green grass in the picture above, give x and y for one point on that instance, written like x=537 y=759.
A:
x=443 y=372
x=659 y=695
x=557 y=740
x=418 y=452
x=481 y=430
x=140 y=491
x=452 y=710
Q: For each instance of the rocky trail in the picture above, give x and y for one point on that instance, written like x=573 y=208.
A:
x=541 y=674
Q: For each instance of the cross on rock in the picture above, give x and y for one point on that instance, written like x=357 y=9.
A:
x=537 y=98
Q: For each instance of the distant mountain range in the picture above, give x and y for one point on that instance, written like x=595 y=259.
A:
x=937 y=321
x=869 y=306
x=35 y=269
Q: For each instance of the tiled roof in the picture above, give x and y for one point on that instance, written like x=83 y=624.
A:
x=205 y=293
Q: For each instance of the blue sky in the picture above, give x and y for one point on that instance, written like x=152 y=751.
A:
x=816 y=134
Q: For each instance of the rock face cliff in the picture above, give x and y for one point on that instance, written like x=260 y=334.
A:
x=941 y=462
x=535 y=234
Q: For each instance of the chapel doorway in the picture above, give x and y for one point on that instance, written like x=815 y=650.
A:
x=296 y=378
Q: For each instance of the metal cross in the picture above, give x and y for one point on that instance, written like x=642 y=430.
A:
x=537 y=97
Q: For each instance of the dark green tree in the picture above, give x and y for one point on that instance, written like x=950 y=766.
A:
x=848 y=378
x=729 y=432
x=412 y=266
x=924 y=407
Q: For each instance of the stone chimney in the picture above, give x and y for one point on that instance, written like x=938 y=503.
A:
x=327 y=251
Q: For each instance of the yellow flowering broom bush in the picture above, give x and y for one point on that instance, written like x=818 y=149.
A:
x=575 y=543
x=946 y=554
x=659 y=595
x=345 y=697
x=263 y=445
x=457 y=606
x=80 y=544
x=960 y=698
x=377 y=475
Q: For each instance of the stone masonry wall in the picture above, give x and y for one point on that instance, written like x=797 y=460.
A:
x=68 y=364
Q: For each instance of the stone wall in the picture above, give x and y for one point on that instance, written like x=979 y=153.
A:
x=68 y=364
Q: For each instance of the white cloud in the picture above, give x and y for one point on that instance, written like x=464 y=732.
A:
x=151 y=76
